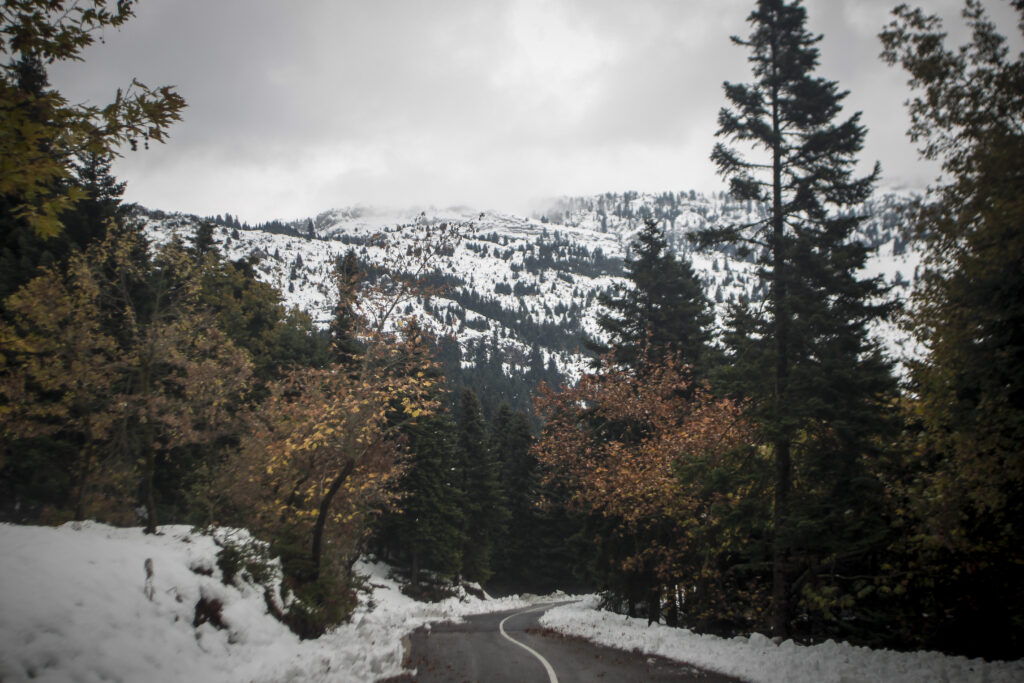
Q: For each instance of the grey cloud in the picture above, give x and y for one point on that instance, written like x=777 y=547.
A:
x=296 y=107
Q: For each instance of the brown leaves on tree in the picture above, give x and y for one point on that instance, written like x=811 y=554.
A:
x=646 y=450
x=324 y=447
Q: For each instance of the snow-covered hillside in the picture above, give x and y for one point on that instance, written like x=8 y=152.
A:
x=76 y=605
x=528 y=283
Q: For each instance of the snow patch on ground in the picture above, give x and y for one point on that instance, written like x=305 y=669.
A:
x=74 y=607
x=758 y=659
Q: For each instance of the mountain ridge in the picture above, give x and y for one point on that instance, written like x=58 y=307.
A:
x=526 y=285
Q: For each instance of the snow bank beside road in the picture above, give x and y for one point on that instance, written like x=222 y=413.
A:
x=758 y=659
x=73 y=607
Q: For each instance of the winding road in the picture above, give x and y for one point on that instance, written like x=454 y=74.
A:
x=512 y=646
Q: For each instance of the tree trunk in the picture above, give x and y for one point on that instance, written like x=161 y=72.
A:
x=321 y=518
x=783 y=465
x=654 y=606
x=148 y=471
x=147 y=436
x=672 y=616
x=84 y=474
x=780 y=551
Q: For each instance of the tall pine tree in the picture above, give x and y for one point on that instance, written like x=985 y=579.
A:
x=818 y=381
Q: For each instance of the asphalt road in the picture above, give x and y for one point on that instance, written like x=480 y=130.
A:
x=511 y=646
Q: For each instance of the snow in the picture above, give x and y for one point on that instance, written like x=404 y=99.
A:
x=759 y=659
x=495 y=247
x=74 y=607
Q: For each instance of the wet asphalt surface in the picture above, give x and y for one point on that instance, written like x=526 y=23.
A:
x=476 y=651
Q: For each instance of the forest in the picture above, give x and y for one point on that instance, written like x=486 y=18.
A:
x=786 y=476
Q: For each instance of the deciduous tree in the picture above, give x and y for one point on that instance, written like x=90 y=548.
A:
x=41 y=133
x=662 y=463
x=967 y=406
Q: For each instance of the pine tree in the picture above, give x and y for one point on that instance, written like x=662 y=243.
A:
x=345 y=346
x=101 y=206
x=664 y=312
x=429 y=526
x=818 y=380
x=510 y=441
x=484 y=502
x=115 y=356
x=204 y=240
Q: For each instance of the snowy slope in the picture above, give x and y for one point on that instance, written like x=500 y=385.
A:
x=543 y=273
x=73 y=607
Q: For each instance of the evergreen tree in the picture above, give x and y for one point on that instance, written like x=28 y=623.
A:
x=251 y=313
x=345 y=346
x=204 y=240
x=22 y=250
x=664 y=312
x=115 y=357
x=484 y=503
x=818 y=381
x=429 y=526
x=510 y=440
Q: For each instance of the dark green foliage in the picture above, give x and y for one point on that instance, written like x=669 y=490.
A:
x=246 y=560
x=252 y=314
x=964 y=479
x=427 y=532
x=344 y=345
x=203 y=241
x=484 y=513
x=536 y=553
x=665 y=311
x=820 y=385
x=489 y=380
x=510 y=439
x=560 y=554
x=323 y=603
x=23 y=251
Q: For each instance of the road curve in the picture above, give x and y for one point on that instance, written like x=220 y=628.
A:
x=512 y=647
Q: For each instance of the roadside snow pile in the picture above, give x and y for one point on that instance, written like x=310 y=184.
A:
x=76 y=605
x=758 y=659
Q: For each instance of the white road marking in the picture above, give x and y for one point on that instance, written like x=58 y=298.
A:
x=501 y=627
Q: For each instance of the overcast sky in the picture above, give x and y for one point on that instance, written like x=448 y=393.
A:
x=298 y=107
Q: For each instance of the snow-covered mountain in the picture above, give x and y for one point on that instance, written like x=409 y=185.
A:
x=525 y=284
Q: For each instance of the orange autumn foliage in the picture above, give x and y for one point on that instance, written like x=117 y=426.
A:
x=620 y=437
x=324 y=447
x=661 y=460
